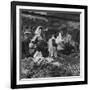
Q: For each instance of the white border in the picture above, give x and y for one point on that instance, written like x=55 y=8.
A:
x=57 y=79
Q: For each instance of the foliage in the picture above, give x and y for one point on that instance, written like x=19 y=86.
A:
x=59 y=67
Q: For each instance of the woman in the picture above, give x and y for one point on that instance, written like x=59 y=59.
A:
x=52 y=47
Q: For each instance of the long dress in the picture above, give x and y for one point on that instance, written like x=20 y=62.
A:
x=51 y=48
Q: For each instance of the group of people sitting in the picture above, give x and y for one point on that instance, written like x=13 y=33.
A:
x=38 y=45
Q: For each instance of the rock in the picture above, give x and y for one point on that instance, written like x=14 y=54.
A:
x=58 y=64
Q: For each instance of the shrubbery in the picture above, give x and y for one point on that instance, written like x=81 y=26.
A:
x=67 y=66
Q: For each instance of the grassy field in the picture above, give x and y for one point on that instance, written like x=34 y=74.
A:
x=58 y=67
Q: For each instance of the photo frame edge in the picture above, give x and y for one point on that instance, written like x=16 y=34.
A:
x=13 y=47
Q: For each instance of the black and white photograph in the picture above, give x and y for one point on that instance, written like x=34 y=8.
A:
x=49 y=44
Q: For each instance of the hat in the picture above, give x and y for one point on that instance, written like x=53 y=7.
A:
x=27 y=32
